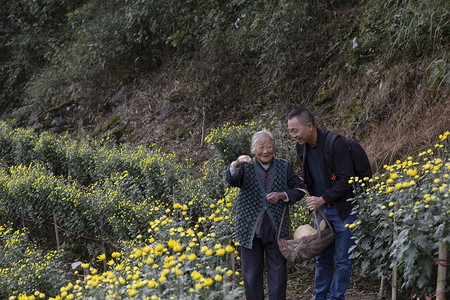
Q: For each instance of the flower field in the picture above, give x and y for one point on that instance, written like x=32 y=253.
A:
x=132 y=222
x=404 y=214
x=171 y=260
x=95 y=220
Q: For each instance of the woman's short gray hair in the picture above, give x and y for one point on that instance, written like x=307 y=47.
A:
x=259 y=135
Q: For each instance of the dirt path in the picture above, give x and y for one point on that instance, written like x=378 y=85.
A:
x=301 y=286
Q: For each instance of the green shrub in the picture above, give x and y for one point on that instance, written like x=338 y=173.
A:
x=27 y=192
x=30 y=32
x=110 y=160
x=231 y=141
x=79 y=161
x=35 y=193
x=24 y=141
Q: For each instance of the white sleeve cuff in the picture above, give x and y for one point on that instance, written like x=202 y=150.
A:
x=233 y=169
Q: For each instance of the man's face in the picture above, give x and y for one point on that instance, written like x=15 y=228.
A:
x=302 y=133
x=264 y=150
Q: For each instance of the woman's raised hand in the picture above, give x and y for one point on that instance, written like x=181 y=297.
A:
x=243 y=159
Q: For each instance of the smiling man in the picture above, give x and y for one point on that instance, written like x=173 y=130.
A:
x=327 y=183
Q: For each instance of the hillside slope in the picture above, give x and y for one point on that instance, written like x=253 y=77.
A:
x=167 y=73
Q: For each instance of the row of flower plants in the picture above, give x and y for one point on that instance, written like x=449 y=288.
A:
x=43 y=182
x=86 y=184
x=404 y=215
x=90 y=161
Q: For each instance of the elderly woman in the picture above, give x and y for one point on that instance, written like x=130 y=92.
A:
x=266 y=186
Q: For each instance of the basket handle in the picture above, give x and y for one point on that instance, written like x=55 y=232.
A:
x=282 y=219
x=314 y=212
x=323 y=216
x=287 y=207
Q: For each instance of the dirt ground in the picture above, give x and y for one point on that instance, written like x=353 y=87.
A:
x=301 y=286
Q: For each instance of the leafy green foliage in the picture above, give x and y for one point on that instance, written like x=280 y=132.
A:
x=58 y=51
x=229 y=142
x=396 y=29
x=403 y=215
x=30 y=31
x=93 y=44
x=272 y=33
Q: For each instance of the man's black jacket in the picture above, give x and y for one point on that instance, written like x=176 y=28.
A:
x=338 y=190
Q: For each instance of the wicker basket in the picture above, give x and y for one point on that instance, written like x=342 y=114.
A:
x=310 y=242
x=305 y=230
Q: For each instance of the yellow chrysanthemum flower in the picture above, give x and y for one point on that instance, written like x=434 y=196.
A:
x=101 y=257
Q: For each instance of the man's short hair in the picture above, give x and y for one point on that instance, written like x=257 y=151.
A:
x=303 y=116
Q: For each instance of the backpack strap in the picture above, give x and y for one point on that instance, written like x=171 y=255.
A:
x=330 y=137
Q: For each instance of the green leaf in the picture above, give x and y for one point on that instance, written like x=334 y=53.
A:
x=421 y=240
x=410 y=256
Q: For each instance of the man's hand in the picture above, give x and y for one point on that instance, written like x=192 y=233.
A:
x=314 y=202
x=274 y=197
x=243 y=159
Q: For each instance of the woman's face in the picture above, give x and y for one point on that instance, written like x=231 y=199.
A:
x=264 y=150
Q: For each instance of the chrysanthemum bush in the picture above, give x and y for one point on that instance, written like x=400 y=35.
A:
x=230 y=141
x=114 y=205
x=175 y=258
x=24 y=267
x=403 y=215
x=34 y=193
